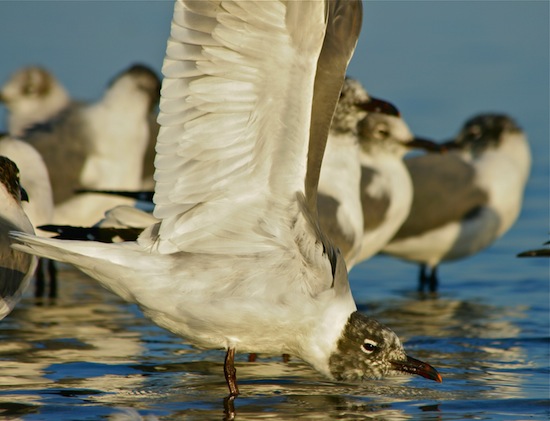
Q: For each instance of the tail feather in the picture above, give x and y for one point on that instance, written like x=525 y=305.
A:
x=61 y=250
x=106 y=262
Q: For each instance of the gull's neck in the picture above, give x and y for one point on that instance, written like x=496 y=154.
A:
x=322 y=340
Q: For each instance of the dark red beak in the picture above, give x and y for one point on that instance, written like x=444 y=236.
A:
x=414 y=366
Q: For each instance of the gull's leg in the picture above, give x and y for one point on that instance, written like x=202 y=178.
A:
x=231 y=379
x=52 y=272
x=231 y=373
x=422 y=278
x=40 y=280
x=434 y=280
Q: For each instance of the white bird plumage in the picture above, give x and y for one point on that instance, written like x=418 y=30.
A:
x=237 y=260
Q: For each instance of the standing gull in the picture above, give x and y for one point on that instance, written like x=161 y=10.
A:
x=465 y=199
x=16 y=267
x=99 y=145
x=237 y=261
x=386 y=190
x=339 y=204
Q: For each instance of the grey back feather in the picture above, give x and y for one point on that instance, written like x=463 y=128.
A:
x=444 y=191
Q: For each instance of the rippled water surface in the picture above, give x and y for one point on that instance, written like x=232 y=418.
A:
x=89 y=356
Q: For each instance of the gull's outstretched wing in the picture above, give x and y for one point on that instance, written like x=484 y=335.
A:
x=343 y=27
x=236 y=108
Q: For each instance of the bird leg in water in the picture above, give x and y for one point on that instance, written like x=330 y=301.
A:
x=427 y=279
x=433 y=280
x=231 y=379
x=41 y=280
x=422 y=278
x=52 y=272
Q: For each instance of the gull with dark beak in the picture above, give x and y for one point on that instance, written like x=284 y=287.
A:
x=386 y=190
x=465 y=199
x=238 y=261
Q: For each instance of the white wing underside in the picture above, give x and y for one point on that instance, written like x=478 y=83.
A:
x=228 y=171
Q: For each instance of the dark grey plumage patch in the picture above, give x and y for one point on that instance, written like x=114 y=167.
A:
x=328 y=208
x=63 y=143
x=374 y=207
x=444 y=192
x=312 y=219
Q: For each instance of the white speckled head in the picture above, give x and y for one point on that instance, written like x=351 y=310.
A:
x=369 y=350
x=347 y=113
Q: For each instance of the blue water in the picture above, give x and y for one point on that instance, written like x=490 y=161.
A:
x=89 y=356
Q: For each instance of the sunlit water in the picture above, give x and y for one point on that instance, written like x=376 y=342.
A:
x=89 y=356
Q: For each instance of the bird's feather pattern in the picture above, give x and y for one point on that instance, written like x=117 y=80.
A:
x=219 y=99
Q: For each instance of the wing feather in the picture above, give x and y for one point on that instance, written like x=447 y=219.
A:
x=225 y=166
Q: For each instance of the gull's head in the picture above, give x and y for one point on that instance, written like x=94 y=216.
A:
x=354 y=104
x=32 y=95
x=136 y=86
x=369 y=350
x=9 y=180
x=388 y=133
x=484 y=132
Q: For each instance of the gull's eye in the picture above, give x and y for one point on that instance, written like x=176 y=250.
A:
x=368 y=346
x=474 y=131
x=381 y=131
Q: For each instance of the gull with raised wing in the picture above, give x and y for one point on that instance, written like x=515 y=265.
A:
x=16 y=267
x=237 y=261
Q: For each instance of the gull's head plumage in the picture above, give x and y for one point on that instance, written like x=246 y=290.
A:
x=369 y=350
x=381 y=132
x=485 y=131
x=384 y=132
x=348 y=111
x=9 y=178
x=32 y=95
x=138 y=81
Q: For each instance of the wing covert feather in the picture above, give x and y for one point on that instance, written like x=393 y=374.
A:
x=225 y=166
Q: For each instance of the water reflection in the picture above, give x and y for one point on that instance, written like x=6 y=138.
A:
x=481 y=349
x=92 y=355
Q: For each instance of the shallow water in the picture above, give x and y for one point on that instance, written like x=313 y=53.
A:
x=89 y=356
